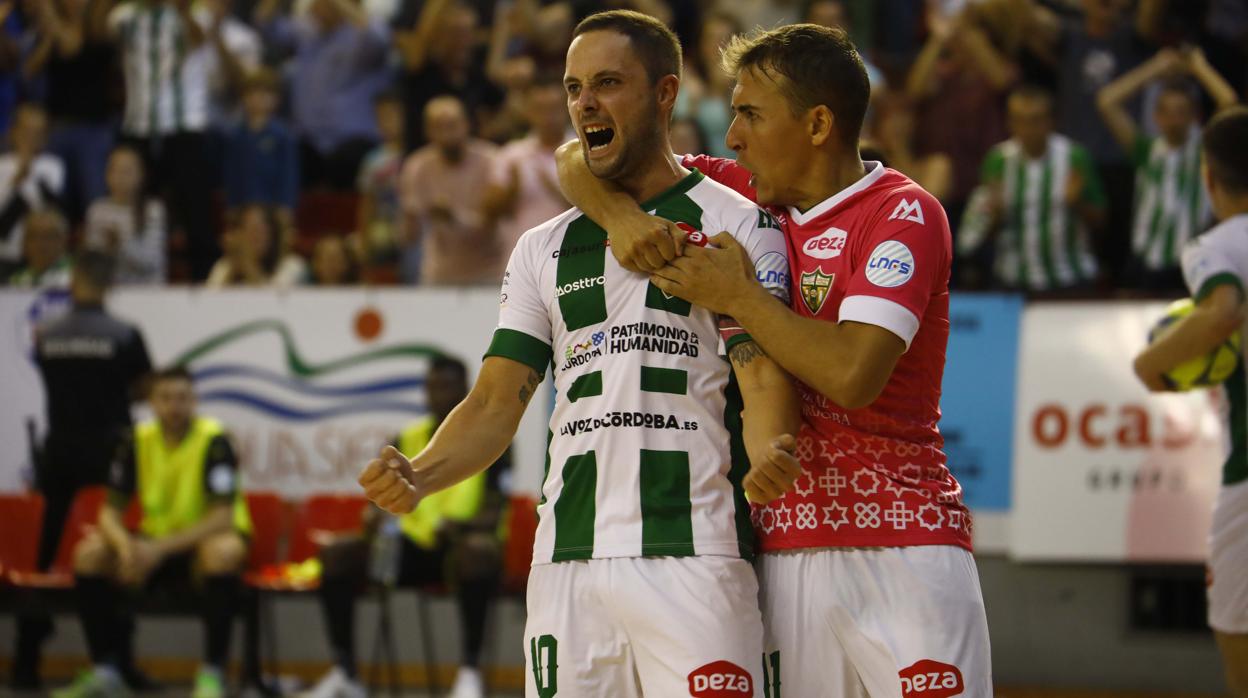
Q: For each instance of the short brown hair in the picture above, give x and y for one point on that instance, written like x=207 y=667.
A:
x=656 y=46
x=811 y=65
x=1223 y=146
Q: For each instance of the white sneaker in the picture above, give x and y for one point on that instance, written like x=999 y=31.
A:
x=468 y=684
x=336 y=684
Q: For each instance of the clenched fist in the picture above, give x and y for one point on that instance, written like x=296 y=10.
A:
x=387 y=482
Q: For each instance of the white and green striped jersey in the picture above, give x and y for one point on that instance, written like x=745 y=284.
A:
x=644 y=457
x=1218 y=257
x=1043 y=245
x=167 y=80
x=1170 y=201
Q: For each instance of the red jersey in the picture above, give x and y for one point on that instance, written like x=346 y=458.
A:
x=877 y=252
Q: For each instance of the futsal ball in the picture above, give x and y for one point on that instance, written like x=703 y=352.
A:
x=1203 y=371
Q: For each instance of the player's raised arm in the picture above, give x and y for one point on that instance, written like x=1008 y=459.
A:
x=639 y=241
x=473 y=436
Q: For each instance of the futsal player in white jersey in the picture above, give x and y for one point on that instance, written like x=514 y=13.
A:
x=1215 y=266
x=641 y=582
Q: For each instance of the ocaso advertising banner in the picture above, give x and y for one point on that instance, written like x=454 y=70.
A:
x=1104 y=470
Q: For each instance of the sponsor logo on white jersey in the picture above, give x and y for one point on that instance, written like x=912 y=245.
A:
x=908 y=211
x=772 y=270
x=579 y=285
x=827 y=245
x=890 y=265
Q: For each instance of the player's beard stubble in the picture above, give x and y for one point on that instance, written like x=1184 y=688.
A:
x=635 y=151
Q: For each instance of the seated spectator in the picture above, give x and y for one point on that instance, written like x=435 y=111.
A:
x=1042 y=202
x=1171 y=206
x=450 y=537
x=340 y=63
x=893 y=133
x=256 y=253
x=379 y=184
x=30 y=179
x=127 y=224
x=527 y=191
x=442 y=194
x=333 y=263
x=261 y=153
x=183 y=471
x=46 y=247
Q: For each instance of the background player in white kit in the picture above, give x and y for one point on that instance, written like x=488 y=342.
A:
x=1215 y=266
x=868 y=584
x=641 y=583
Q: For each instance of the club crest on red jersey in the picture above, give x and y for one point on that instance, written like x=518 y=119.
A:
x=815 y=286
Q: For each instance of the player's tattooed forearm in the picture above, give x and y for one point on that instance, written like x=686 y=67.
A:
x=529 y=387
x=744 y=353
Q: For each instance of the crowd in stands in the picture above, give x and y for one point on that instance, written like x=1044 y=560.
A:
x=328 y=142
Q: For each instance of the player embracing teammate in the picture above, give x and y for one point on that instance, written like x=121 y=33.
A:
x=868 y=584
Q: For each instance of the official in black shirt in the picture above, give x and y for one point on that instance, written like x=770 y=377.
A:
x=93 y=366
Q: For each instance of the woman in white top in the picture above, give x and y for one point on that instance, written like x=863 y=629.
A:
x=256 y=253
x=126 y=224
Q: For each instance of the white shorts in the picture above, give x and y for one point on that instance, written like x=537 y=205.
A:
x=878 y=622
x=1228 y=561
x=634 y=626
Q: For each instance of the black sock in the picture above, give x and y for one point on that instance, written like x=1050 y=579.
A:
x=338 y=605
x=99 y=601
x=220 y=602
x=475 y=596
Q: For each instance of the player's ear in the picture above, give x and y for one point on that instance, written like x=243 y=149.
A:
x=820 y=125
x=666 y=90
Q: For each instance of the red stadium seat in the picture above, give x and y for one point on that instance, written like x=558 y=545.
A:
x=518 y=550
x=20 y=518
x=267 y=515
x=332 y=513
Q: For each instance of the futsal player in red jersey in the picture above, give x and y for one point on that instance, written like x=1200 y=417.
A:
x=868 y=584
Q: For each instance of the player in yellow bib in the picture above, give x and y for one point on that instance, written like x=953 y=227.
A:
x=450 y=537
x=194 y=530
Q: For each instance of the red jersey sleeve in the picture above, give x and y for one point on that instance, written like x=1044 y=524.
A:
x=900 y=264
x=726 y=172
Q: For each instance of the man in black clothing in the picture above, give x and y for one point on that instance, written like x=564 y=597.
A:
x=92 y=366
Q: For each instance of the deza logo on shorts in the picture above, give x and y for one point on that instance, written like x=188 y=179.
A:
x=721 y=679
x=827 y=245
x=579 y=285
x=928 y=678
x=890 y=265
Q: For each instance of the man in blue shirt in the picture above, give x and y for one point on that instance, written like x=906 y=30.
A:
x=340 y=62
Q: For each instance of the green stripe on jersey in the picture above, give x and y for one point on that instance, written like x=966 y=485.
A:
x=1235 y=470
x=666 y=511
x=580 y=284
x=676 y=206
x=1215 y=281
x=588 y=385
x=575 y=508
x=664 y=380
x=733 y=404
x=518 y=346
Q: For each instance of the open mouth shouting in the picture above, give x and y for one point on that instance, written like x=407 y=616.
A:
x=598 y=138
